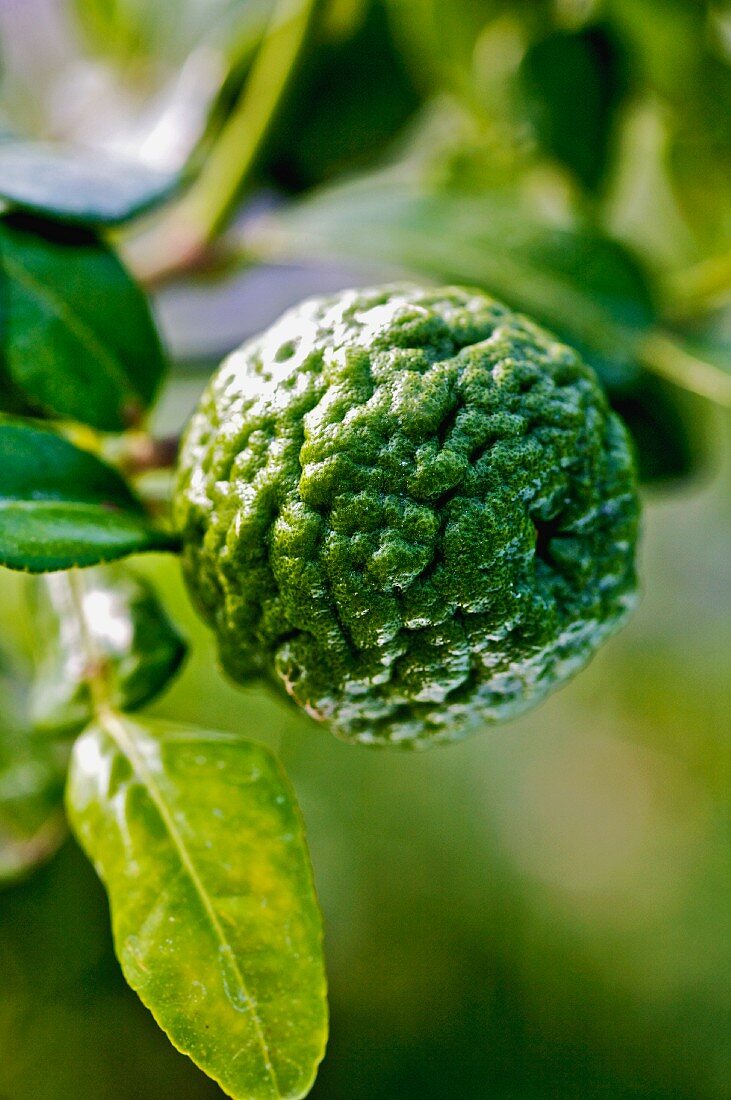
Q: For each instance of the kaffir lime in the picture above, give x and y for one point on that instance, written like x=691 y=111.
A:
x=412 y=508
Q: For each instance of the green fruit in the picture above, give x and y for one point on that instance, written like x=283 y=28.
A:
x=411 y=508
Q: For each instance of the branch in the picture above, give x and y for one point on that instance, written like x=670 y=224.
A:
x=180 y=242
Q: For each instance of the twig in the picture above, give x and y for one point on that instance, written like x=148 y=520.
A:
x=142 y=453
x=181 y=241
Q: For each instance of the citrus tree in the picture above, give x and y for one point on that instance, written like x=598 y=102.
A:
x=409 y=509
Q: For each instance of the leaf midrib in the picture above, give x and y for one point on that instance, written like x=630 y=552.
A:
x=117 y=730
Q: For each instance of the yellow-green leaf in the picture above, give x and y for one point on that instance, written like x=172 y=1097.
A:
x=199 y=842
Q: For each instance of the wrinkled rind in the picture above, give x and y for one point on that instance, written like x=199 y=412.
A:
x=410 y=507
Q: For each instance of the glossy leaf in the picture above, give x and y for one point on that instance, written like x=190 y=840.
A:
x=355 y=98
x=32 y=773
x=125 y=625
x=61 y=506
x=69 y=1026
x=585 y=287
x=78 y=336
x=85 y=186
x=574 y=84
x=198 y=840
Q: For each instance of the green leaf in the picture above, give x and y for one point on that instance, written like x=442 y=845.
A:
x=574 y=84
x=117 y=615
x=78 y=336
x=84 y=186
x=676 y=51
x=354 y=99
x=61 y=506
x=32 y=773
x=199 y=842
x=12 y=400
x=668 y=442
x=585 y=287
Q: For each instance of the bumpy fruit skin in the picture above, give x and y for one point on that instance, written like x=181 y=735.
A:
x=412 y=508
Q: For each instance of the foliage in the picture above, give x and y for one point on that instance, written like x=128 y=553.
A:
x=571 y=159
x=61 y=506
x=577 y=130
x=65 y=350
x=586 y=287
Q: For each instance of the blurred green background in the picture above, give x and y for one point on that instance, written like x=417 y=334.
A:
x=542 y=911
